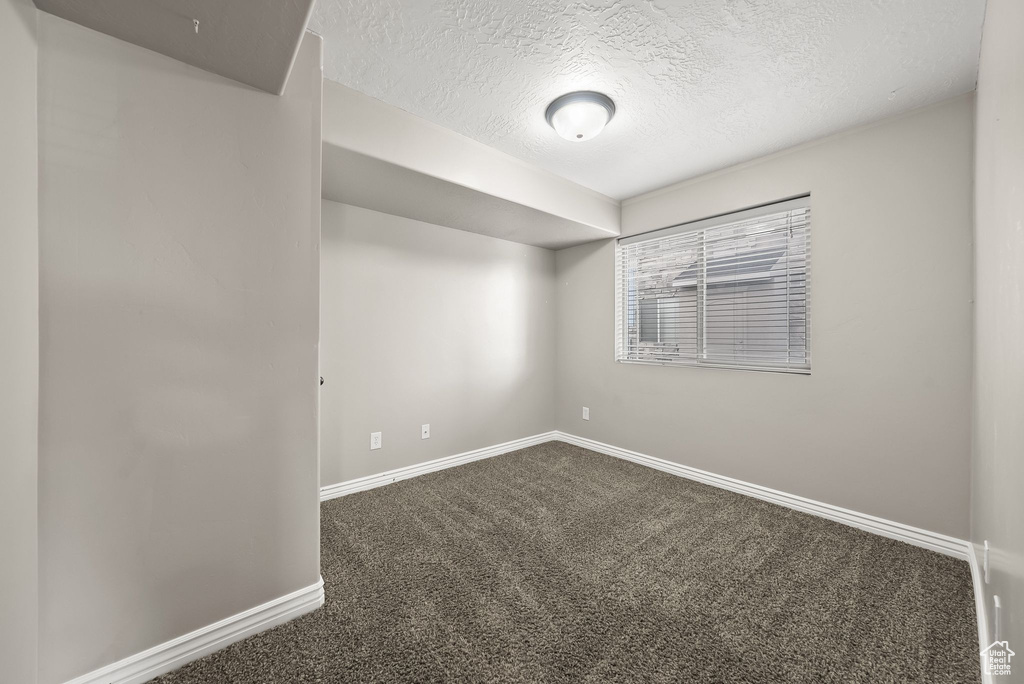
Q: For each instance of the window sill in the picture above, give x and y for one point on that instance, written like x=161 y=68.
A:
x=718 y=366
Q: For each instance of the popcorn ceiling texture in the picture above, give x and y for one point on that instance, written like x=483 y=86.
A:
x=699 y=85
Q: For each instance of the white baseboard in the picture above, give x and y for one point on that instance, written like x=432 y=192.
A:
x=950 y=546
x=978 y=578
x=170 y=655
x=934 y=541
x=380 y=479
x=173 y=654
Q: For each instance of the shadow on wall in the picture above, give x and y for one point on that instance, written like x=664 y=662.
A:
x=165 y=445
x=458 y=333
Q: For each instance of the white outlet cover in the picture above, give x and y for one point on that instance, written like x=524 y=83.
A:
x=425 y=431
x=586 y=413
x=375 y=440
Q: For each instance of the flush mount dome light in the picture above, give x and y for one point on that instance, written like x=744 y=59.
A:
x=581 y=115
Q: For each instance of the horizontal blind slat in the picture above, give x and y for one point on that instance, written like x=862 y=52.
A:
x=733 y=294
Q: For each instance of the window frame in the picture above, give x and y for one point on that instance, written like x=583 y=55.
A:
x=623 y=295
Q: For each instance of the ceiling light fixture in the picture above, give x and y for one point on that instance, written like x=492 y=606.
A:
x=581 y=115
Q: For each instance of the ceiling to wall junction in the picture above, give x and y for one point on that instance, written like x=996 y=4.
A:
x=251 y=41
x=699 y=85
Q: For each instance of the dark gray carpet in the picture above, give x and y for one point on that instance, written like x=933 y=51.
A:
x=557 y=564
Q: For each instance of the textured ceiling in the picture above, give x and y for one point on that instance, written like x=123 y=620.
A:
x=699 y=84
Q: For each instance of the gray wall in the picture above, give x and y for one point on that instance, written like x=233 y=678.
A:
x=881 y=425
x=19 y=336
x=425 y=324
x=179 y=236
x=997 y=509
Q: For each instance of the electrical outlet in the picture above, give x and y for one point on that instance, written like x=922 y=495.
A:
x=986 y=561
x=375 y=440
x=586 y=413
x=425 y=431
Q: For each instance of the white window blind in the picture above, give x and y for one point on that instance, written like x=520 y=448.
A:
x=730 y=291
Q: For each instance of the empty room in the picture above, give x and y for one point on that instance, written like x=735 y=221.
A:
x=352 y=341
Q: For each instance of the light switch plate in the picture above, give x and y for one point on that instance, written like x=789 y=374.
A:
x=586 y=413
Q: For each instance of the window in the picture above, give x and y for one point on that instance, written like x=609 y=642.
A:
x=730 y=291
